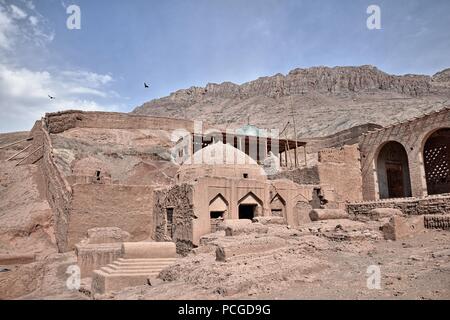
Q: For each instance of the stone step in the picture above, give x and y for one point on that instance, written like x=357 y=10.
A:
x=103 y=282
x=137 y=267
x=163 y=260
x=111 y=270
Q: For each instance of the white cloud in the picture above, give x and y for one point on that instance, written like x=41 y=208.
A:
x=92 y=78
x=17 y=13
x=24 y=91
x=24 y=95
x=33 y=20
x=7 y=28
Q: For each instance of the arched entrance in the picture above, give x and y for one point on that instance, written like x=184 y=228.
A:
x=436 y=156
x=249 y=207
x=393 y=171
x=218 y=209
x=278 y=207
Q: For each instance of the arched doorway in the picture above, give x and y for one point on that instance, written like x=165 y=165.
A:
x=393 y=171
x=218 y=209
x=278 y=206
x=436 y=156
x=249 y=207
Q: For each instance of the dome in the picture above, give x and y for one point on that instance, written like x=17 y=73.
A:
x=220 y=160
x=220 y=153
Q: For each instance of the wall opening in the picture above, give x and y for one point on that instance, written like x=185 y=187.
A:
x=247 y=211
x=278 y=207
x=393 y=171
x=250 y=206
x=436 y=155
x=169 y=222
x=218 y=208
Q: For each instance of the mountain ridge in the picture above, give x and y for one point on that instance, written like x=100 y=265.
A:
x=342 y=95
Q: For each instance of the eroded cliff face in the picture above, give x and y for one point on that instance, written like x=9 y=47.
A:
x=325 y=100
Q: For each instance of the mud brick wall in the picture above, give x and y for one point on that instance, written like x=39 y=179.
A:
x=340 y=139
x=412 y=135
x=301 y=176
x=340 y=168
x=103 y=205
x=180 y=199
x=59 y=193
x=434 y=205
x=62 y=121
x=437 y=222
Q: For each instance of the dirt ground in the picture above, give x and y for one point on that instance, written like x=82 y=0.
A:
x=314 y=266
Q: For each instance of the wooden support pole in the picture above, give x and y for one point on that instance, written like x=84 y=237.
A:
x=29 y=155
x=20 y=152
x=17 y=142
x=295 y=156
x=304 y=153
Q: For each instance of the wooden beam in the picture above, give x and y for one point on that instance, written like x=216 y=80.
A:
x=23 y=150
x=17 y=142
x=29 y=155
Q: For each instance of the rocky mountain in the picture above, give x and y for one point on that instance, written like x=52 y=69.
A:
x=321 y=100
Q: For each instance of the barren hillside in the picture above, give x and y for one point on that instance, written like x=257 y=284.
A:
x=325 y=100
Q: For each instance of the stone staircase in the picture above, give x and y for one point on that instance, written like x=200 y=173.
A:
x=134 y=269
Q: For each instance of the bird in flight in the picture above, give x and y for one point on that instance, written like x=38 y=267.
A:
x=51 y=98
x=146 y=85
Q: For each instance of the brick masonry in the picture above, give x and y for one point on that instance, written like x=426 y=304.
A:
x=432 y=205
x=412 y=135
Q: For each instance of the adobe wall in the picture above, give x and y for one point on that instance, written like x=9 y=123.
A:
x=338 y=168
x=339 y=139
x=412 y=135
x=36 y=151
x=180 y=199
x=62 y=121
x=341 y=169
x=59 y=192
x=439 y=204
x=106 y=205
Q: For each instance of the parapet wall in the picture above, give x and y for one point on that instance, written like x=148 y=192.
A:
x=410 y=206
x=62 y=121
x=59 y=192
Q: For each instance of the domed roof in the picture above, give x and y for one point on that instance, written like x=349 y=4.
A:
x=220 y=154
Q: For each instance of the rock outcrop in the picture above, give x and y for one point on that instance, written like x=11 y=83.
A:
x=325 y=100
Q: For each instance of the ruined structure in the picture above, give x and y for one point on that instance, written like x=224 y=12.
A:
x=135 y=174
x=149 y=186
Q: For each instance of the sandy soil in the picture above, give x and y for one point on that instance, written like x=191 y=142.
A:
x=314 y=266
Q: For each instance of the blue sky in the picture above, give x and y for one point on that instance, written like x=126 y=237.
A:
x=174 y=44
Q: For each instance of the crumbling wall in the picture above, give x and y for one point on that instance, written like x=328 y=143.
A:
x=309 y=175
x=102 y=205
x=180 y=199
x=409 y=206
x=340 y=168
x=59 y=192
x=35 y=153
x=61 y=121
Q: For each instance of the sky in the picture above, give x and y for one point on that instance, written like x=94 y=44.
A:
x=176 y=44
